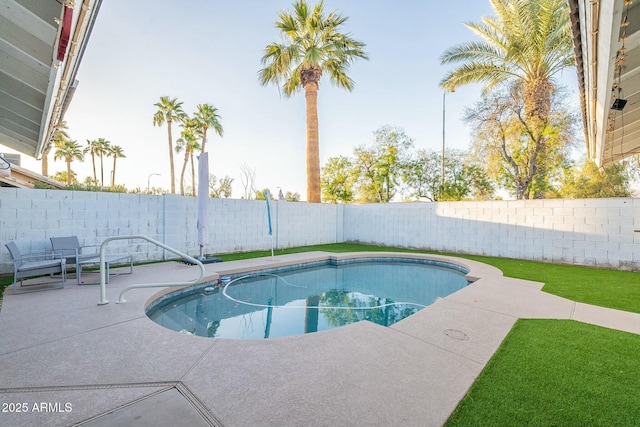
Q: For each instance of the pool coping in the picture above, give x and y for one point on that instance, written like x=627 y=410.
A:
x=475 y=270
x=115 y=365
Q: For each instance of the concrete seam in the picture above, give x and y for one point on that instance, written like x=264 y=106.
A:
x=198 y=405
x=166 y=384
x=197 y=362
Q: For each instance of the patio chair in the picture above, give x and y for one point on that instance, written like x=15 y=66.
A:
x=69 y=248
x=34 y=265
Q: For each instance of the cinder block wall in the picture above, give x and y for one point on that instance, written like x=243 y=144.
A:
x=597 y=232
x=594 y=232
x=31 y=217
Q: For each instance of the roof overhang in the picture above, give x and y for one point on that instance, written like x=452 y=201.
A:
x=608 y=63
x=41 y=45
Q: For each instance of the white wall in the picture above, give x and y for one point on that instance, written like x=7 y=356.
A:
x=31 y=217
x=597 y=232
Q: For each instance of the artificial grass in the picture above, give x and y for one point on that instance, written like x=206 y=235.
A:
x=556 y=373
x=597 y=286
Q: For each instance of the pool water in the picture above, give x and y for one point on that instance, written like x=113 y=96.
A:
x=305 y=300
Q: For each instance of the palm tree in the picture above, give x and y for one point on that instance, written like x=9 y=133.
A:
x=314 y=44
x=93 y=148
x=116 y=152
x=103 y=149
x=59 y=136
x=188 y=142
x=169 y=109
x=69 y=150
x=207 y=117
x=528 y=41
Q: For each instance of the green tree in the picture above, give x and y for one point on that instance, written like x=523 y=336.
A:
x=380 y=167
x=464 y=178
x=70 y=150
x=523 y=158
x=220 y=189
x=116 y=152
x=261 y=195
x=291 y=197
x=314 y=44
x=63 y=176
x=591 y=182
x=338 y=180
x=207 y=117
x=527 y=41
x=169 y=110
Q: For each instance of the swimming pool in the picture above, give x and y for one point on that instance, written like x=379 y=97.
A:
x=308 y=298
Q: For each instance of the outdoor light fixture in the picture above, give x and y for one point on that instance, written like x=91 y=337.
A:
x=618 y=104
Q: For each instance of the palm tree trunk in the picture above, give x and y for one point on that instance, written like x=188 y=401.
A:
x=204 y=138
x=173 y=174
x=101 y=172
x=193 y=176
x=113 y=174
x=313 y=143
x=184 y=168
x=68 y=170
x=93 y=162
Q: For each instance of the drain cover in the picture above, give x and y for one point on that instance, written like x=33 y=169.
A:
x=456 y=334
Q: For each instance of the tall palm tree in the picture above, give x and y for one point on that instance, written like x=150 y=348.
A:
x=207 y=117
x=169 y=109
x=93 y=148
x=117 y=153
x=59 y=136
x=188 y=142
x=103 y=148
x=69 y=150
x=528 y=41
x=314 y=44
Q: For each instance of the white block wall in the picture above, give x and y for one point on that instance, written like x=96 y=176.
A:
x=31 y=217
x=594 y=232
x=597 y=232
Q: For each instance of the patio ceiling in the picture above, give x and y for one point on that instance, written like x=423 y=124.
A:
x=41 y=45
x=607 y=43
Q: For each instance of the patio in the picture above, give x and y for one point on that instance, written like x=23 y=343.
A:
x=74 y=362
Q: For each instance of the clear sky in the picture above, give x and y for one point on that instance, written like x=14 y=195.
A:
x=209 y=52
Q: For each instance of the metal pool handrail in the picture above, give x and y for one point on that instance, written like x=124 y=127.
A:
x=103 y=271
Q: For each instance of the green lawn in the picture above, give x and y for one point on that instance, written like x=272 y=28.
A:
x=556 y=373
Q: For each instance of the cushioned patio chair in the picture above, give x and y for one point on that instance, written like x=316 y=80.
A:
x=69 y=248
x=35 y=265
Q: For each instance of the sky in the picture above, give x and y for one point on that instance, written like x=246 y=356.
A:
x=209 y=52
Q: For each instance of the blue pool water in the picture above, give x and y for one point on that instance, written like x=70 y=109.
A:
x=300 y=300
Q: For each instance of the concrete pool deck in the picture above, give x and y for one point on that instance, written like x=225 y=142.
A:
x=71 y=361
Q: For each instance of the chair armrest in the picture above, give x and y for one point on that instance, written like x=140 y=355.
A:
x=96 y=247
x=41 y=255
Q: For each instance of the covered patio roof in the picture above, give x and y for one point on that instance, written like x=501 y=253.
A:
x=41 y=45
x=607 y=46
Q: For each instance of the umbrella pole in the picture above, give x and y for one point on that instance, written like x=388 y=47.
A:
x=272 y=248
x=201 y=257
